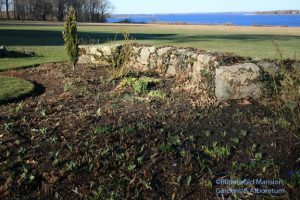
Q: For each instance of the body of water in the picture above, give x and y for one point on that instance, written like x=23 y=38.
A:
x=240 y=19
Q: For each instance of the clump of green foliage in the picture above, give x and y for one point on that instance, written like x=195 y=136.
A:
x=128 y=82
x=70 y=36
x=69 y=85
x=139 y=84
x=216 y=151
x=144 y=84
x=157 y=94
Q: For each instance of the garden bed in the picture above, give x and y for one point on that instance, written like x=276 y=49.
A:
x=90 y=136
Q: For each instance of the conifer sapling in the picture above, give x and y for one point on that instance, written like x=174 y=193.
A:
x=70 y=36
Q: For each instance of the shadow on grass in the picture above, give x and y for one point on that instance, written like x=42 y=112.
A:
x=237 y=37
x=37 y=91
x=18 y=54
x=54 y=38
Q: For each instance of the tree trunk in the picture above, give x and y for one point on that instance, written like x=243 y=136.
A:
x=7 y=10
x=60 y=10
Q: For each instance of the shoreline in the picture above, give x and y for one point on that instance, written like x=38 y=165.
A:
x=52 y=23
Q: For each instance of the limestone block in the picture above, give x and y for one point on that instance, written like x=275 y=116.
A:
x=145 y=55
x=238 y=81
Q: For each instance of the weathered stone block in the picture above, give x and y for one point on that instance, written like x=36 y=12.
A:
x=269 y=67
x=83 y=59
x=145 y=55
x=238 y=81
x=163 y=50
x=201 y=63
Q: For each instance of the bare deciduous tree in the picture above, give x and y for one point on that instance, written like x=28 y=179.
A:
x=86 y=10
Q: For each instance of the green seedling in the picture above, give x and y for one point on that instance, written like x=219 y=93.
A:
x=258 y=156
x=216 y=152
x=295 y=179
x=43 y=131
x=206 y=183
x=207 y=133
x=243 y=133
x=188 y=180
x=69 y=86
x=43 y=112
x=224 y=133
x=19 y=107
x=8 y=127
x=103 y=130
x=235 y=140
x=53 y=139
x=26 y=176
x=165 y=148
x=140 y=159
x=131 y=167
x=54 y=156
x=71 y=166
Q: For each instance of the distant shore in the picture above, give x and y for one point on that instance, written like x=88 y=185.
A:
x=279 y=12
x=51 y=23
x=275 y=12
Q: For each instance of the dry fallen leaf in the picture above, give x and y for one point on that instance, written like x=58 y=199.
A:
x=245 y=102
x=31 y=162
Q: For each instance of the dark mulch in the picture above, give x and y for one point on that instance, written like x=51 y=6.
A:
x=83 y=138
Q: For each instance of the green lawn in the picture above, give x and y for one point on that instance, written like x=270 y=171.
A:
x=14 y=88
x=46 y=39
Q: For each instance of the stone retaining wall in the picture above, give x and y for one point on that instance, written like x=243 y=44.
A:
x=227 y=76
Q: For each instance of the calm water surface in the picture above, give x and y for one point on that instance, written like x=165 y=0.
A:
x=242 y=19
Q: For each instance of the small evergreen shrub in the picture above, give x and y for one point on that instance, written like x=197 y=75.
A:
x=70 y=36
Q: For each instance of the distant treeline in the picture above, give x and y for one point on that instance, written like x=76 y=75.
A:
x=279 y=12
x=55 y=10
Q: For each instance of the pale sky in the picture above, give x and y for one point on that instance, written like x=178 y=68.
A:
x=200 y=6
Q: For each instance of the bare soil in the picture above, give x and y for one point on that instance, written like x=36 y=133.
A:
x=85 y=138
